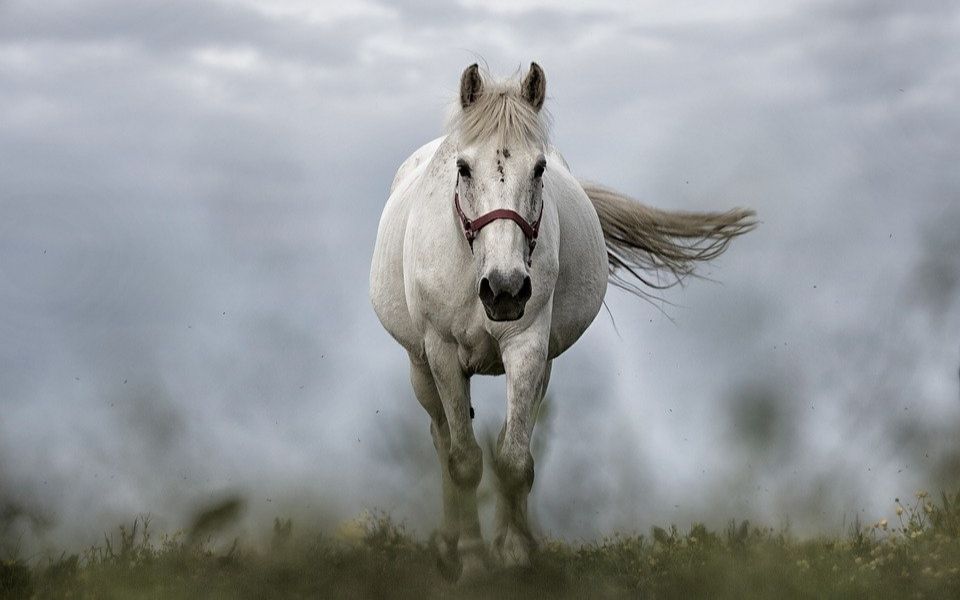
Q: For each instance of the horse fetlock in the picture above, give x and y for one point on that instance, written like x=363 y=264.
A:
x=466 y=465
x=514 y=469
x=445 y=541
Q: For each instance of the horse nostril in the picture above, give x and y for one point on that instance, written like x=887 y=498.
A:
x=504 y=295
x=525 y=290
x=487 y=295
x=498 y=286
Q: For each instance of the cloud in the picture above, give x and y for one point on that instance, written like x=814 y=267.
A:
x=190 y=200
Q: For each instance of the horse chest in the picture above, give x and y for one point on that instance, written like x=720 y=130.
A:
x=455 y=314
x=479 y=352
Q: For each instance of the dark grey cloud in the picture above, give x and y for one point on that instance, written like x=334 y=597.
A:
x=189 y=200
x=171 y=29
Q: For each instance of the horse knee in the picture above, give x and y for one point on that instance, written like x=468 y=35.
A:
x=466 y=465
x=514 y=468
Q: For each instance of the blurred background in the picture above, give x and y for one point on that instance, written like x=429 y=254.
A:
x=189 y=197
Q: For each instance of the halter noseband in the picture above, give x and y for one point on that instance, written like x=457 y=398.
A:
x=471 y=228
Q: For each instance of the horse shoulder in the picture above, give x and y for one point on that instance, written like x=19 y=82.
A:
x=435 y=260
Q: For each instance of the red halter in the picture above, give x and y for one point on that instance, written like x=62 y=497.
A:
x=472 y=228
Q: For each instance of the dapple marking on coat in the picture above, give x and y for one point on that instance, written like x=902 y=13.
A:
x=503 y=306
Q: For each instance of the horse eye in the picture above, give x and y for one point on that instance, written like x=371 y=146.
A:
x=463 y=168
x=538 y=168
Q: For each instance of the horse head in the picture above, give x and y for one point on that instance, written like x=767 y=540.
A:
x=500 y=162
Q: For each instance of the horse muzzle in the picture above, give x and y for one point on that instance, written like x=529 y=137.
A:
x=504 y=295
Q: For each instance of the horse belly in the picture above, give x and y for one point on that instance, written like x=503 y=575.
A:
x=582 y=280
x=386 y=286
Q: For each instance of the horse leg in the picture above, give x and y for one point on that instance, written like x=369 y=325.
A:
x=528 y=372
x=465 y=459
x=445 y=539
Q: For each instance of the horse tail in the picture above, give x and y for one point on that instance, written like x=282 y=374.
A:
x=644 y=244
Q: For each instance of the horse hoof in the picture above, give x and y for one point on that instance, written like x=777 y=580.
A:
x=474 y=561
x=473 y=570
x=513 y=550
x=448 y=559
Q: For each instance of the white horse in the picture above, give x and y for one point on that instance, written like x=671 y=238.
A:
x=492 y=258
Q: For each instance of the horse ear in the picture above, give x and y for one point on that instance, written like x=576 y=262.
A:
x=471 y=86
x=534 y=86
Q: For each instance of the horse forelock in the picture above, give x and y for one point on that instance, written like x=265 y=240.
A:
x=502 y=114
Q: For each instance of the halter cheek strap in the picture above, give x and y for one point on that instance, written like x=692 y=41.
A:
x=471 y=228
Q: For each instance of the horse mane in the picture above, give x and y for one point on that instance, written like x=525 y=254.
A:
x=500 y=112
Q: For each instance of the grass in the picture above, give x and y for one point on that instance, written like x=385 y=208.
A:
x=916 y=556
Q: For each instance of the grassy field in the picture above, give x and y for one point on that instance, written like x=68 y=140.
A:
x=915 y=556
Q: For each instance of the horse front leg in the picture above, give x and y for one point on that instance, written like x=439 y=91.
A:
x=464 y=464
x=446 y=537
x=528 y=372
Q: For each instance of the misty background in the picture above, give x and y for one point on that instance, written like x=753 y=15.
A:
x=189 y=197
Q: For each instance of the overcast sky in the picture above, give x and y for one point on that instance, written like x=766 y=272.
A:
x=189 y=196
